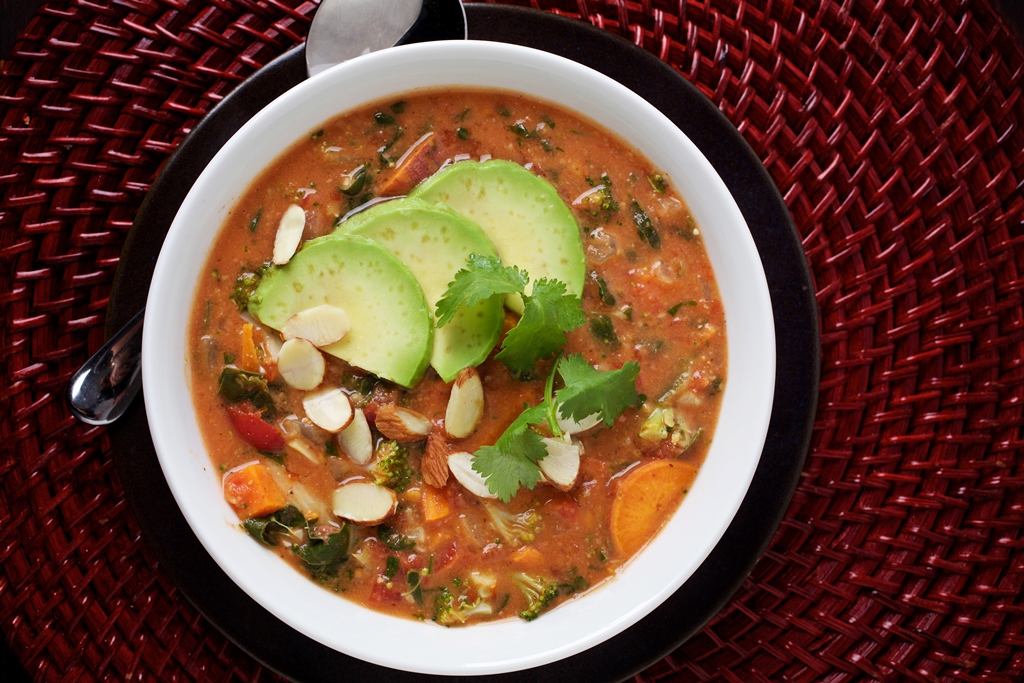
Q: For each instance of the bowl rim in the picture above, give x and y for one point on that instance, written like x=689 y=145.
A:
x=167 y=277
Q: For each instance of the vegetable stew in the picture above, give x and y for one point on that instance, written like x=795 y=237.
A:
x=459 y=356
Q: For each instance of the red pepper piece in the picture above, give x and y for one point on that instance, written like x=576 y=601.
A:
x=254 y=431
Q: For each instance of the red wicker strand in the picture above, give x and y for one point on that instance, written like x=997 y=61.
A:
x=893 y=130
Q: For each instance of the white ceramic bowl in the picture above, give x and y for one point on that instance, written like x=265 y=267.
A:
x=510 y=644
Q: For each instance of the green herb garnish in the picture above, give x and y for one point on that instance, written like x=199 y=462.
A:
x=548 y=311
x=512 y=462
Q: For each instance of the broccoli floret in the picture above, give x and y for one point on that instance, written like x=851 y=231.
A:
x=392 y=468
x=539 y=592
x=517 y=529
x=456 y=608
x=246 y=284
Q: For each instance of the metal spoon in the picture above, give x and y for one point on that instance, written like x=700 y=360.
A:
x=105 y=386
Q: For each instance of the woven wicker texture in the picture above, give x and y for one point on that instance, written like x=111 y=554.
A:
x=892 y=128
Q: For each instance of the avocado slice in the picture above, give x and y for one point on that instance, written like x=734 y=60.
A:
x=434 y=242
x=529 y=224
x=392 y=327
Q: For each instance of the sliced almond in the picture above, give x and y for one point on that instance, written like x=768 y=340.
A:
x=570 y=426
x=465 y=405
x=434 y=464
x=273 y=345
x=561 y=466
x=401 y=424
x=364 y=503
x=289 y=234
x=461 y=466
x=329 y=409
x=321 y=325
x=306 y=449
x=356 y=439
x=301 y=364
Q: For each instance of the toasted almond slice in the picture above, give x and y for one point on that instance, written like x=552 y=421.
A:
x=301 y=364
x=356 y=439
x=305 y=448
x=561 y=466
x=289 y=234
x=273 y=345
x=570 y=426
x=465 y=405
x=364 y=503
x=321 y=325
x=434 y=464
x=461 y=466
x=401 y=424
x=330 y=409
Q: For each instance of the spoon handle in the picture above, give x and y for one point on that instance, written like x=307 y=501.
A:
x=104 y=387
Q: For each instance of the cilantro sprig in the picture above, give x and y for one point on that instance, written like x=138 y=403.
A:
x=512 y=462
x=549 y=312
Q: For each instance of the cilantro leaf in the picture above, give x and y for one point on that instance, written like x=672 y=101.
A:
x=483 y=277
x=588 y=391
x=548 y=313
x=512 y=461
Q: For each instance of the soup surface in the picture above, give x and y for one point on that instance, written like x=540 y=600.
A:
x=484 y=519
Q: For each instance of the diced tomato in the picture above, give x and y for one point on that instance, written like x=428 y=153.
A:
x=383 y=595
x=566 y=508
x=664 y=449
x=370 y=412
x=251 y=490
x=445 y=555
x=251 y=428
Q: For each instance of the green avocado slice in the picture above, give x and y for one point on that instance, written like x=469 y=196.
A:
x=528 y=223
x=392 y=327
x=434 y=242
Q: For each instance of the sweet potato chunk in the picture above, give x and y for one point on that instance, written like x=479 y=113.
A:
x=252 y=492
x=643 y=496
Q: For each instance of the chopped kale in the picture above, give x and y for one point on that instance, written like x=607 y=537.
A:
x=357 y=180
x=657 y=181
x=603 y=293
x=644 y=227
x=602 y=327
x=394 y=539
x=236 y=385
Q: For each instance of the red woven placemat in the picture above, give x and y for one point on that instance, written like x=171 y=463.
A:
x=893 y=130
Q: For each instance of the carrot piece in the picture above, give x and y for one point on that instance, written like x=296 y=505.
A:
x=527 y=556
x=252 y=492
x=250 y=361
x=644 y=500
x=435 y=504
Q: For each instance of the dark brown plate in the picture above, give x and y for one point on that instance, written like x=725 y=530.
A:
x=292 y=654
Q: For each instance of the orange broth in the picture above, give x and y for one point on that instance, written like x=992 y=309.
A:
x=662 y=304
